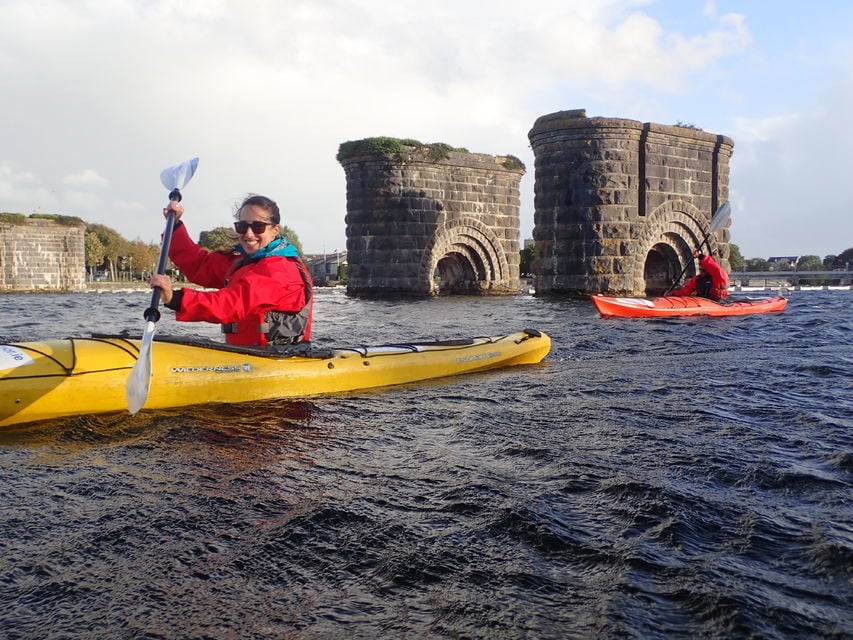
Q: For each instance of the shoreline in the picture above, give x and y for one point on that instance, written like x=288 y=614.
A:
x=126 y=287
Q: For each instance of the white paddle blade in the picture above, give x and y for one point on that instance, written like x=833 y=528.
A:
x=11 y=357
x=178 y=176
x=139 y=380
x=721 y=216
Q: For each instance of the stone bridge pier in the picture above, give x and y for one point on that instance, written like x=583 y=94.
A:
x=620 y=205
x=425 y=221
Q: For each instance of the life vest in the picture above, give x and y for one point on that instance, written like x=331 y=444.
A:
x=274 y=327
x=706 y=289
x=704 y=284
x=717 y=286
x=288 y=327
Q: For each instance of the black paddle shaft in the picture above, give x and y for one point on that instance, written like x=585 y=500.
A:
x=152 y=313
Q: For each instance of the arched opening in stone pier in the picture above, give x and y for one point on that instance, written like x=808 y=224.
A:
x=664 y=248
x=466 y=258
x=664 y=263
x=657 y=272
x=661 y=268
x=455 y=274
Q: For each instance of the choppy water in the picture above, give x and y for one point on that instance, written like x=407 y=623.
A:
x=650 y=479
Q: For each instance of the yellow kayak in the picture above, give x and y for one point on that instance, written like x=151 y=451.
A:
x=80 y=376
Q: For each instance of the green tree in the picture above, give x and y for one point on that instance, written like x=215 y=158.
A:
x=809 y=263
x=844 y=259
x=292 y=237
x=114 y=245
x=527 y=255
x=223 y=238
x=154 y=256
x=829 y=261
x=757 y=264
x=142 y=257
x=218 y=239
x=735 y=258
x=94 y=251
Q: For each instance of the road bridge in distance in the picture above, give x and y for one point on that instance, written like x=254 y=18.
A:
x=836 y=278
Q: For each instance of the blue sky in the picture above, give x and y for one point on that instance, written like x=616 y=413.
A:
x=100 y=95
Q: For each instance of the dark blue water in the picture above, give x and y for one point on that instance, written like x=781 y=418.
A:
x=650 y=479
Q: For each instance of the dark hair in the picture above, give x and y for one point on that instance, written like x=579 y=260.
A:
x=264 y=203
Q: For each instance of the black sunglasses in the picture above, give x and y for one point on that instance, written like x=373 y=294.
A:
x=258 y=227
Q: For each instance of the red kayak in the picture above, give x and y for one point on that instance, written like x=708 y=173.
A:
x=673 y=306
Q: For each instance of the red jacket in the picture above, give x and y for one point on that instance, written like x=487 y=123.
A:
x=244 y=294
x=719 y=280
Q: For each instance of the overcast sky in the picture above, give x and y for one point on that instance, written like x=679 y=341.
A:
x=98 y=96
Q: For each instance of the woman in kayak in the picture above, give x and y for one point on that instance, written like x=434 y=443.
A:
x=711 y=282
x=264 y=291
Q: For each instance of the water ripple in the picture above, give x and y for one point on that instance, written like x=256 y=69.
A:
x=673 y=478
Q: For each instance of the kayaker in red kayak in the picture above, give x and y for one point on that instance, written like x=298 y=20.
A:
x=711 y=282
x=264 y=291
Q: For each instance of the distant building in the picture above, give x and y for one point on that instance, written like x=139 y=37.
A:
x=325 y=266
x=779 y=259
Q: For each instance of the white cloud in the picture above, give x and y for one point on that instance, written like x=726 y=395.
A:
x=610 y=58
x=264 y=92
x=74 y=200
x=85 y=178
x=128 y=206
x=790 y=180
x=22 y=192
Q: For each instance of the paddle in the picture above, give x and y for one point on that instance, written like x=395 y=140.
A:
x=721 y=216
x=139 y=380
